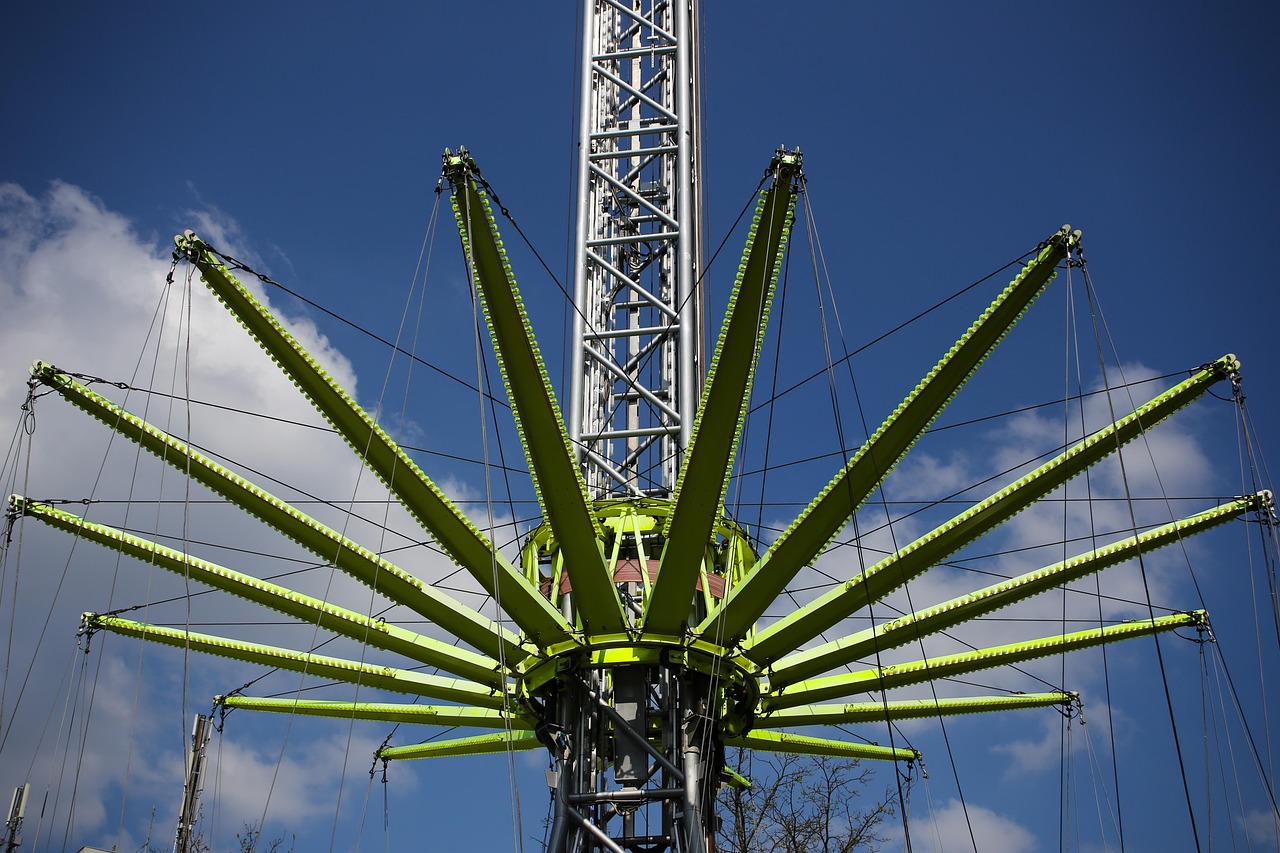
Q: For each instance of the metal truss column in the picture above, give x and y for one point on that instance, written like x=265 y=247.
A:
x=636 y=365
x=637 y=763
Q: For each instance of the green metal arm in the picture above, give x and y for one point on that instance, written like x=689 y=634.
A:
x=450 y=527
x=515 y=741
x=354 y=559
x=906 y=709
x=704 y=476
x=804 y=745
x=931 y=669
x=557 y=478
x=340 y=620
x=827 y=513
x=912 y=560
x=380 y=712
x=321 y=666
x=912 y=626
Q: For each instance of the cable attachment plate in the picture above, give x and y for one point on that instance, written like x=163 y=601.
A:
x=84 y=634
x=188 y=245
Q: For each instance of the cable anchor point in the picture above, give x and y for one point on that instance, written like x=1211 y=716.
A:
x=187 y=246
x=1237 y=385
x=1267 y=510
x=84 y=634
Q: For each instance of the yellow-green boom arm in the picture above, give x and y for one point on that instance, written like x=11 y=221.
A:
x=917 y=557
x=354 y=559
x=455 y=533
x=340 y=620
x=810 y=533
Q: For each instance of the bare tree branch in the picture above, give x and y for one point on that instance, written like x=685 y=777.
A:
x=800 y=804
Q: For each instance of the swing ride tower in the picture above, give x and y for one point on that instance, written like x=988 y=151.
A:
x=625 y=641
x=637 y=334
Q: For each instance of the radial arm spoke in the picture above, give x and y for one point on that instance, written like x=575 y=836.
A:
x=932 y=669
x=321 y=666
x=513 y=741
x=911 y=561
x=557 y=478
x=810 y=533
x=805 y=745
x=463 y=622
x=913 y=626
x=906 y=709
x=380 y=712
x=340 y=620
x=450 y=527
x=708 y=462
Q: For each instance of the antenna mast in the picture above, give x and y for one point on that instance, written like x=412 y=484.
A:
x=637 y=356
x=189 y=811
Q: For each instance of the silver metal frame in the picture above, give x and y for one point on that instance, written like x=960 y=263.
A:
x=636 y=357
x=637 y=364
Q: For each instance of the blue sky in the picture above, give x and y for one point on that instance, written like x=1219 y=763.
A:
x=940 y=142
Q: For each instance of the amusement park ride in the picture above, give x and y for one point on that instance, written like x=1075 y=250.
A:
x=635 y=658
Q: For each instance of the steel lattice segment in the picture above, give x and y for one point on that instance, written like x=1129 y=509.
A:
x=906 y=709
x=376 y=632
x=827 y=513
x=708 y=461
x=557 y=477
x=321 y=666
x=913 y=626
x=381 y=712
x=450 y=527
x=910 y=561
x=329 y=545
x=932 y=669
x=636 y=362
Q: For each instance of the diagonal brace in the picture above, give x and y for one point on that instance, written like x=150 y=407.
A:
x=321 y=666
x=326 y=543
x=376 y=632
x=827 y=513
x=913 y=626
x=913 y=559
x=932 y=669
x=557 y=477
x=450 y=527
x=704 y=476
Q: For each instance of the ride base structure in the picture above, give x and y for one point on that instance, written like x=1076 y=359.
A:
x=628 y=643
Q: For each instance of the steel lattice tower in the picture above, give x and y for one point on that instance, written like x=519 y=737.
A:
x=637 y=355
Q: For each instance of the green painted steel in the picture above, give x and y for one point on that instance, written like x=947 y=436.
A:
x=369 y=675
x=354 y=559
x=382 y=712
x=707 y=563
x=805 y=745
x=906 y=709
x=557 y=478
x=376 y=632
x=913 y=626
x=822 y=520
x=708 y=461
x=909 y=562
x=515 y=741
x=450 y=527
x=932 y=669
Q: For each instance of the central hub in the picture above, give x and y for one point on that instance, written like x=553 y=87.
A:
x=636 y=676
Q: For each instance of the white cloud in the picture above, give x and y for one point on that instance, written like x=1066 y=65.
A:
x=947 y=830
x=80 y=288
x=1262 y=826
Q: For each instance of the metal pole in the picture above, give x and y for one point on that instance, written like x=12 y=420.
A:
x=17 y=811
